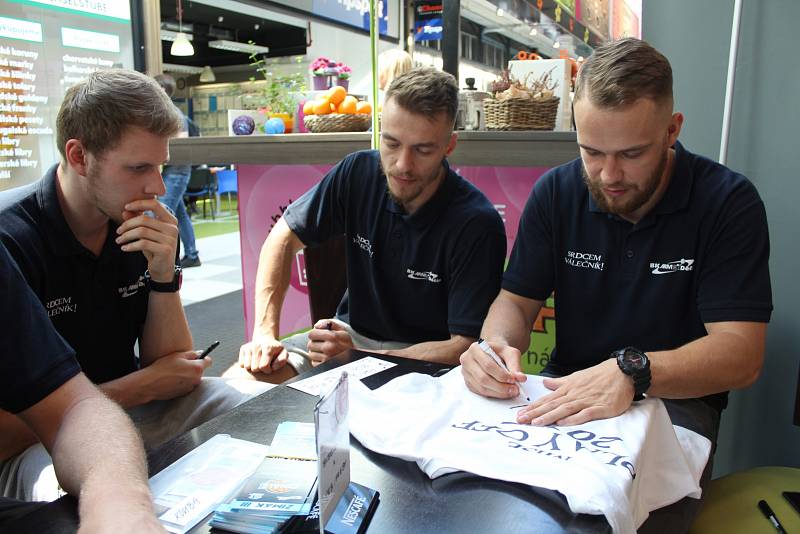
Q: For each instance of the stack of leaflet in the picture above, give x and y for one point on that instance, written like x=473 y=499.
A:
x=282 y=490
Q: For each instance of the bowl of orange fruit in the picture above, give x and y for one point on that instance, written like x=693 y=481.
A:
x=336 y=111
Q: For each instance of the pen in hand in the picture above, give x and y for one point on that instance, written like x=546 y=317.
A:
x=487 y=349
x=769 y=514
x=206 y=352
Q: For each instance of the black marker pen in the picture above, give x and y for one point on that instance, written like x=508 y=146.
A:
x=206 y=352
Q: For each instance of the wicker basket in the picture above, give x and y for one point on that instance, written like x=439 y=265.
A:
x=337 y=122
x=521 y=113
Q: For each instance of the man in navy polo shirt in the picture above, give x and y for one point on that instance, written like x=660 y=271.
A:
x=658 y=259
x=425 y=249
x=96 y=450
x=99 y=251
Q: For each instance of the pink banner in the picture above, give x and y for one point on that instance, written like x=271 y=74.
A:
x=266 y=190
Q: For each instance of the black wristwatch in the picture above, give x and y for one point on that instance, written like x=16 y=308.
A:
x=634 y=363
x=165 y=287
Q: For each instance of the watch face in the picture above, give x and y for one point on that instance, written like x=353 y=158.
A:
x=634 y=358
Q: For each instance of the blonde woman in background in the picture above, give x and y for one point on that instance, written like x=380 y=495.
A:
x=391 y=64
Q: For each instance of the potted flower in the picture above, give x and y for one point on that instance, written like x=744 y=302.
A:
x=343 y=73
x=279 y=96
x=324 y=70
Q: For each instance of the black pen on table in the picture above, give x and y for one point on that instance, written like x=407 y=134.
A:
x=487 y=349
x=206 y=352
x=769 y=514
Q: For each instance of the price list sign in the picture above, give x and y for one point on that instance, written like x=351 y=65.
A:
x=46 y=46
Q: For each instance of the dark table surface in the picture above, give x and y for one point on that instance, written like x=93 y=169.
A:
x=409 y=500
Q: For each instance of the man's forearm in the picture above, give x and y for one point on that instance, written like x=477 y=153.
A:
x=165 y=329
x=509 y=320
x=729 y=357
x=98 y=455
x=272 y=278
x=129 y=390
x=447 y=351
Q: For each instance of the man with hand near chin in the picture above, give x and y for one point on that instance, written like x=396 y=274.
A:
x=99 y=251
x=424 y=248
x=659 y=262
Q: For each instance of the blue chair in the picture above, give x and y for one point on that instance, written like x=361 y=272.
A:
x=227 y=182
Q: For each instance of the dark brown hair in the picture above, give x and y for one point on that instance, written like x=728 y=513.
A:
x=620 y=72
x=98 y=110
x=426 y=91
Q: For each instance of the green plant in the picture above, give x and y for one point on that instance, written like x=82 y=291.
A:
x=276 y=96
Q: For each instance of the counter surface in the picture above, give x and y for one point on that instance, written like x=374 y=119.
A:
x=499 y=149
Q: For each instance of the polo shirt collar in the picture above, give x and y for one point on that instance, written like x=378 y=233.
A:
x=678 y=192
x=429 y=211
x=57 y=232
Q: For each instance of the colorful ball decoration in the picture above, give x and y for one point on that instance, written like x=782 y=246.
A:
x=243 y=125
x=274 y=126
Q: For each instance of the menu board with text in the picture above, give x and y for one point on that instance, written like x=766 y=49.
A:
x=46 y=46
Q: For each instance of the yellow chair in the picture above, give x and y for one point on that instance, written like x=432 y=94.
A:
x=731 y=502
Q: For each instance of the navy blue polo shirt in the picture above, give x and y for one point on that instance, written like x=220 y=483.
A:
x=98 y=304
x=411 y=278
x=700 y=256
x=34 y=359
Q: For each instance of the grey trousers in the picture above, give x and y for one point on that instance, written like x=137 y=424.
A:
x=30 y=475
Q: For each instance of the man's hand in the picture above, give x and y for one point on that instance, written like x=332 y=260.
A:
x=174 y=375
x=598 y=392
x=326 y=340
x=264 y=354
x=484 y=377
x=155 y=237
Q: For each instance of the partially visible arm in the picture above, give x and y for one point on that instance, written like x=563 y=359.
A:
x=15 y=435
x=97 y=455
x=447 y=351
x=272 y=278
x=509 y=320
x=729 y=357
x=265 y=353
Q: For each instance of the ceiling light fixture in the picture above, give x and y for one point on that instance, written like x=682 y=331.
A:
x=184 y=69
x=235 y=46
x=533 y=32
x=500 y=12
x=169 y=35
x=207 y=75
x=181 y=45
x=556 y=45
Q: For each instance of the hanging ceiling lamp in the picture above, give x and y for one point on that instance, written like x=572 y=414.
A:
x=181 y=45
x=207 y=75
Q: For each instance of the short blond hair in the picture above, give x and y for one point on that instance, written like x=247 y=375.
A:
x=623 y=71
x=97 y=111
x=392 y=64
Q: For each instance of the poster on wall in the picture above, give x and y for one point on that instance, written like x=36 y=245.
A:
x=352 y=12
x=46 y=46
x=428 y=23
x=626 y=19
x=594 y=15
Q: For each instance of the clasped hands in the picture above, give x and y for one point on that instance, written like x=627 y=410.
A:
x=598 y=392
x=265 y=354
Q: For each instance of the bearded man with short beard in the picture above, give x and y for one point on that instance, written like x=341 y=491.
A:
x=424 y=248
x=659 y=263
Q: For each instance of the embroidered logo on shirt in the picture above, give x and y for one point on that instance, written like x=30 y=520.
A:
x=364 y=244
x=60 y=305
x=672 y=267
x=584 y=260
x=129 y=291
x=426 y=275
